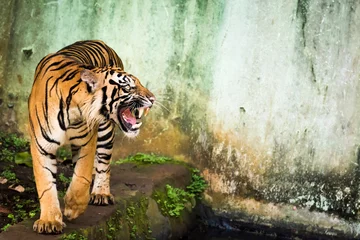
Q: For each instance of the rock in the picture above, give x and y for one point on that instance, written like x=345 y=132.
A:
x=3 y=180
x=159 y=224
x=17 y=188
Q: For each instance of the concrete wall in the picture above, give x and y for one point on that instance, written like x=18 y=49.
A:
x=262 y=95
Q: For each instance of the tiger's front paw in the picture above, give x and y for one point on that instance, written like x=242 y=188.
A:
x=101 y=199
x=42 y=226
x=75 y=204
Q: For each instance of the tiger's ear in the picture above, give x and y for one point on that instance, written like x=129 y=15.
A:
x=90 y=79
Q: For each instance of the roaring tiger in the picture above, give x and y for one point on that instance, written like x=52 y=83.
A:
x=78 y=95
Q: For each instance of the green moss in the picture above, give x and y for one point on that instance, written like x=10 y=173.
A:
x=197 y=185
x=174 y=200
x=19 y=212
x=145 y=159
x=74 y=236
x=137 y=219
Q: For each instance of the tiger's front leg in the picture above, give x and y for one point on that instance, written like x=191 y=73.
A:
x=44 y=166
x=100 y=194
x=78 y=194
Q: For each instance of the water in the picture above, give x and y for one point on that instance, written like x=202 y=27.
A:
x=219 y=234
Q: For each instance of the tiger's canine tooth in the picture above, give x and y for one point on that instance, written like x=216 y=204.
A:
x=146 y=111
x=141 y=111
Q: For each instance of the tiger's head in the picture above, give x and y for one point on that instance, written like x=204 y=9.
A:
x=118 y=96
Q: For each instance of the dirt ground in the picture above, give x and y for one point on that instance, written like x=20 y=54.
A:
x=15 y=205
x=18 y=196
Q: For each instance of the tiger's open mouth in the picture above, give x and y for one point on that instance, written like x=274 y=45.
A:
x=130 y=119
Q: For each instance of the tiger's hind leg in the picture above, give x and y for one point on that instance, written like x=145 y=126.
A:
x=77 y=196
x=44 y=167
x=100 y=194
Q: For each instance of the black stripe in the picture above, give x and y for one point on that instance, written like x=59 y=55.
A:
x=69 y=98
x=114 y=91
x=104 y=156
x=108 y=145
x=61 y=115
x=103 y=110
x=105 y=137
x=78 y=137
x=43 y=132
x=53 y=174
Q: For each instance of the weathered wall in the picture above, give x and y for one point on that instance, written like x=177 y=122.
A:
x=262 y=95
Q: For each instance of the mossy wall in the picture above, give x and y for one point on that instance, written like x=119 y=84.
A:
x=263 y=96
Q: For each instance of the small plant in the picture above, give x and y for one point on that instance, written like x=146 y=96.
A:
x=145 y=158
x=130 y=211
x=111 y=229
x=74 y=236
x=9 y=175
x=19 y=213
x=5 y=228
x=64 y=179
x=10 y=144
x=65 y=182
x=133 y=232
x=64 y=153
x=197 y=185
x=12 y=217
x=174 y=201
x=61 y=194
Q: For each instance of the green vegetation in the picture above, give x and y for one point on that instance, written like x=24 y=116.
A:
x=23 y=158
x=65 y=182
x=146 y=159
x=4 y=228
x=19 y=213
x=174 y=200
x=197 y=185
x=64 y=179
x=10 y=145
x=137 y=219
x=64 y=153
x=74 y=236
x=9 y=175
x=14 y=150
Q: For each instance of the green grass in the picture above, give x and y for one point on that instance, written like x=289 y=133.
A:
x=145 y=159
x=73 y=236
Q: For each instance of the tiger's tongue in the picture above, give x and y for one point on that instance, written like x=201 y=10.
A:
x=128 y=117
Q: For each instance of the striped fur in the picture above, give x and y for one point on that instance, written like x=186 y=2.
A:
x=78 y=96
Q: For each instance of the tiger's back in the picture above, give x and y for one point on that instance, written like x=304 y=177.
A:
x=95 y=53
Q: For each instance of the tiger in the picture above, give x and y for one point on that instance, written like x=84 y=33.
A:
x=79 y=94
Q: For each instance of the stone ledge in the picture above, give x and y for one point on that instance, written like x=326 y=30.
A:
x=133 y=187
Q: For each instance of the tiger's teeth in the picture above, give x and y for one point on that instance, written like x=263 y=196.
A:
x=141 y=111
x=137 y=125
x=146 y=111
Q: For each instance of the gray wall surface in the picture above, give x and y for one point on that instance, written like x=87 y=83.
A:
x=263 y=96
